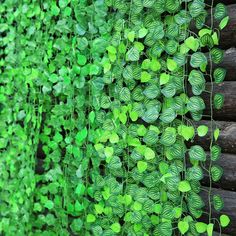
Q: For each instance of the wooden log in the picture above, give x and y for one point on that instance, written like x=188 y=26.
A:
x=229 y=209
x=229 y=63
x=226 y=2
x=228 y=180
x=226 y=140
x=228 y=111
x=228 y=34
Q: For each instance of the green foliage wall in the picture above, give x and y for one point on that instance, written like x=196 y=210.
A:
x=98 y=89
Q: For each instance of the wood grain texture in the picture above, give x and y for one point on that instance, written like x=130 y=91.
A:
x=229 y=209
x=228 y=34
x=226 y=2
x=226 y=140
x=229 y=63
x=228 y=180
x=228 y=111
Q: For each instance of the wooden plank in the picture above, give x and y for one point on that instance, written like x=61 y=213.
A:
x=226 y=140
x=229 y=63
x=228 y=34
x=228 y=180
x=228 y=111
x=226 y=2
x=229 y=209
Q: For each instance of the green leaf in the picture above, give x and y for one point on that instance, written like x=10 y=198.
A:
x=114 y=138
x=49 y=204
x=216 y=173
x=55 y=9
x=217 y=55
x=149 y=153
x=125 y=94
x=81 y=59
x=184 y=186
x=63 y=3
x=111 y=49
x=186 y=131
x=192 y=43
x=195 y=104
x=216 y=134
x=218 y=100
x=81 y=135
x=201 y=227
x=197 y=153
x=142 y=166
x=210 y=228
x=155 y=65
x=219 y=75
x=98 y=208
x=220 y=11
x=183 y=227
x=218 y=202
x=142 y=130
x=109 y=151
x=198 y=59
x=168 y=137
x=115 y=227
x=171 y=65
x=90 y=218
x=131 y=36
x=164 y=78
x=145 y=77
x=224 y=220
x=142 y=32
x=168 y=115
x=215 y=152
x=132 y=54
x=202 y=130
x=92 y=116
x=224 y=22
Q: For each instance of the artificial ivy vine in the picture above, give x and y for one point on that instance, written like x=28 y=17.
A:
x=105 y=94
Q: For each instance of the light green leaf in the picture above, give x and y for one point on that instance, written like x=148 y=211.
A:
x=183 y=227
x=90 y=218
x=184 y=186
x=210 y=229
x=131 y=36
x=142 y=32
x=115 y=227
x=164 y=78
x=142 y=166
x=114 y=138
x=171 y=65
x=145 y=77
x=186 y=131
x=216 y=133
x=224 y=220
x=109 y=151
x=201 y=227
x=149 y=153
x=224 y=22
x=202 y=130
x=192 y=43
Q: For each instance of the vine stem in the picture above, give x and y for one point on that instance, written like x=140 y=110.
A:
x=211 y=123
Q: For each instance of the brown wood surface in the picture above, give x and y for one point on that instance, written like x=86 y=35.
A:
x=228 y=180
x=229 y=63
x=226 y=2
x=229 y=209
x=226 y=140
x=228 y=34
x=228 y=111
